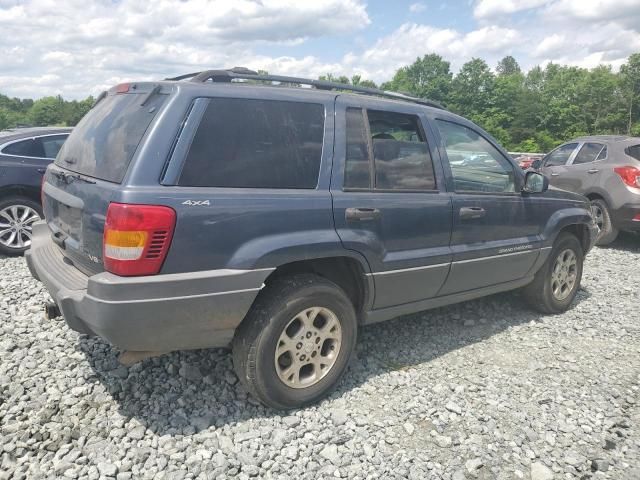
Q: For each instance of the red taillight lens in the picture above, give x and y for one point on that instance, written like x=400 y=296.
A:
x=629 y=175
x=122 y=88
x=137 y=238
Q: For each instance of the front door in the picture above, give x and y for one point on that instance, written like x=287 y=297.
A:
x=584 y=169
x=495 y=237
x=389 y=199
x=554 y=165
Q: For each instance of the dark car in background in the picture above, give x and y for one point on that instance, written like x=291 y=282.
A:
x=605 y=169
x=24 y=156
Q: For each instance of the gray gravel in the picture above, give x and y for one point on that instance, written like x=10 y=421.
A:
x=483 y=390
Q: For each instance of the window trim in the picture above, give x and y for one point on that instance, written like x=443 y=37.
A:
x=5 y=145
x=516 y=183
x=372 y=162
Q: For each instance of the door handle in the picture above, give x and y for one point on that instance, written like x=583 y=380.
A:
x=361 y=214
x=593 y=170
x=555 y=174
x=469 y=213
x=42 y=170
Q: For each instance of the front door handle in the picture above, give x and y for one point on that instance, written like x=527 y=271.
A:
x=469 y=213
x=42 y=170
x=361 y=214
x=555 y=174
x=593 y=170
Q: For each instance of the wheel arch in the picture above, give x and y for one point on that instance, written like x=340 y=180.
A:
x=29 y=192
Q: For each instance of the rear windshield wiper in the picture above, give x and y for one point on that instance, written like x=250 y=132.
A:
x=67 y=177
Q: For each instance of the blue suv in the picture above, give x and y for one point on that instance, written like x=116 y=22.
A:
x=231 y=209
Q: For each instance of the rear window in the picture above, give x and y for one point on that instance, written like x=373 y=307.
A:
x=634 y=151
x=104 y=141
x=249 y=143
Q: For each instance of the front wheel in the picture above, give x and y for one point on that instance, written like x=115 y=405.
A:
x=555 y=285
x=295 y=343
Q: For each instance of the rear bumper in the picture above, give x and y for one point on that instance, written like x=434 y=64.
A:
x=152 y=313
x=623 y=217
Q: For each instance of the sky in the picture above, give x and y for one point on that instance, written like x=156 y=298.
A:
x=77 y=48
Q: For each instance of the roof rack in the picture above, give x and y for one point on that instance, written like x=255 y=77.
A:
x=242 y=73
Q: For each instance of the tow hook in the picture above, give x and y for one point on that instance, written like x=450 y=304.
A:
x=51 y=310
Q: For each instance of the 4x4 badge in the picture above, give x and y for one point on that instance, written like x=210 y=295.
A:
x=196 y=203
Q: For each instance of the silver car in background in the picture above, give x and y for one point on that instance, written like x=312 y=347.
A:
x=605 y=169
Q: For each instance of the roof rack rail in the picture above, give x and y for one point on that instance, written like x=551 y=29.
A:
x=242 y=73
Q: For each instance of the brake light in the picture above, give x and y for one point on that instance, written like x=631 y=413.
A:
x=122 y=88
x=137 y=238
x=629 y=175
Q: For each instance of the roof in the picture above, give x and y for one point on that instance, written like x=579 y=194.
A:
x=26 y=132
x=608 y=138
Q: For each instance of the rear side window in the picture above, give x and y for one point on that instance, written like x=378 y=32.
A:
x=25 y=148
x=588 y=153
x=106 y=138
x=52 y=144
x=402 y=160
x=633 y=151
x=247 y=143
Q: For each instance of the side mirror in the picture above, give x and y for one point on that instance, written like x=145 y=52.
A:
x=536 y=164
x=535 y=182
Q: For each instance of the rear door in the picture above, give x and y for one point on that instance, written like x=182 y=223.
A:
x=583 y=170
x=389 y=199
x=90 y=167
x=554 y=165
x=495 y=229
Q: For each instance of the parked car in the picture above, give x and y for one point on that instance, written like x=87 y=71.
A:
x=24 y=156
x=277 y=220
x=606 y=169
x=525 y=161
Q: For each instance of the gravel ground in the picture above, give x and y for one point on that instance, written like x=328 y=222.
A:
x=486 y=389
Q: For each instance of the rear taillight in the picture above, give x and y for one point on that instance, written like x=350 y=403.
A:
x=137 y=238
x=629 y=175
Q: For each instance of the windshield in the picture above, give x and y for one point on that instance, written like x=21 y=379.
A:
x=105 y=140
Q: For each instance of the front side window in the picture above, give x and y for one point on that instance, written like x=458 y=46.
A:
x=402 y=160
x=588 y=153
x=560 y=156
x=476 y=165
x=25 y=148
x=248 y=143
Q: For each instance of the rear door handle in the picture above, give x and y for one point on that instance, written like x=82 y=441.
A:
x=469 y=213
x=555 y=174
x=593 y=170
x=361 y=214
x=42 y=170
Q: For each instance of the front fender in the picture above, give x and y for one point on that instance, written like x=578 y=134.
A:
x=564 y=218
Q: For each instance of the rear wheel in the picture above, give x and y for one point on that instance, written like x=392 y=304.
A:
x=295 y=344
x=608 y=233
x=17 y=215
x=555 y=285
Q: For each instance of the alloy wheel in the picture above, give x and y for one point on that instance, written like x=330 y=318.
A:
x=16 y=223
x=564 y=274
x=308 y=347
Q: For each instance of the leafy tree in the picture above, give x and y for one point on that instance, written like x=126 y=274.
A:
x=47 y=111
x=427 y=77
x=508 y=66
x=630 y=82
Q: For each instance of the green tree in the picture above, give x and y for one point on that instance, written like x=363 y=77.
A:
x=428 y=77
x=630 y=82
x=508 y=66
x=47 y=111
x=472 y=89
